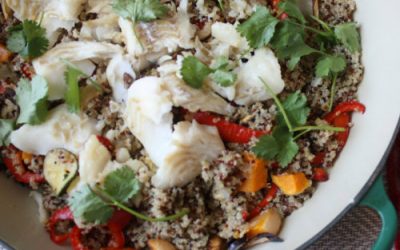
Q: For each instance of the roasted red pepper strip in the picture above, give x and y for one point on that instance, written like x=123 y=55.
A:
x=75 y=237
x=267 y=199
x=318 y=159
x=343 y=121
x=320 y=175
x=63 y=214
x=117 y=239
x=120 y=218
x=117 y=236
x=17 y=168
x=115 y=226
x=106 y=142
x=344 y=107
x=229 y=131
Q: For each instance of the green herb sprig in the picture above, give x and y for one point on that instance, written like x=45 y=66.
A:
x=291 y=121
x=96 y=204
x=31 y=98
x=72 y=76
x=194 y=72
x=287 y=37
x=27 y=39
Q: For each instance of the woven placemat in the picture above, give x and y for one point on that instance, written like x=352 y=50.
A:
x=358 y=229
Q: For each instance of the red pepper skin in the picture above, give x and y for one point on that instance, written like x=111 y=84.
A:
x=120 y=218
x=75 y=237
x=117 y=240
x=229 y=131
x=345 y=107
x=59 y=215
x=343 y=121
x=106 y=142
x=320 y=175
x=264 y=202
x=245 y=215
x=115 y=225
x=318 y=159
x=18 y=170
x=117 y=236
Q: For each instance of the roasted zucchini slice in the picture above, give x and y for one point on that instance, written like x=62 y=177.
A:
x=60 y=167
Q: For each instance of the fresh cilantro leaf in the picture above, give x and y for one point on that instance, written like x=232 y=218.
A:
x=291 y=8
x=140 y=10
x=328 y=65
x=72 y=96
x=194 y=72
x=279 y=146
x=121 y=184
x=6 y=127
x=295 y=106
x=16 y=41
x=288 y=43
x=32 y=100
x=348 y=35
x=224 y=78
x=259 y=28
x=221 y=62
x=285 y=33
x=69 y=64
x=222 y=74
x=296 y=51
x=87 y=207
x=28 y=39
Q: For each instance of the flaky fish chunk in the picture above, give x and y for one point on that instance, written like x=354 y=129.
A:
x=261 y=68
x=165 y=35
x=62 y=129
x=51 y=67
x=191 y=145
x=148 y=115
x=24 y=9
x=196 y=99
x=119 y=74
x=93 y=159
x=60 y=14
x=177 y=153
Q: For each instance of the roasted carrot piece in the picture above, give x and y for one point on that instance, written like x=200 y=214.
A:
x=256 y=178
x=291 y=184
x=5 y=54
x=269 y=221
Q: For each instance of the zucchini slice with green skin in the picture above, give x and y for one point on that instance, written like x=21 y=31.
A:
x=60 y=167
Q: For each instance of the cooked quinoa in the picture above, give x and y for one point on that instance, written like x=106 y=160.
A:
x=215 y=204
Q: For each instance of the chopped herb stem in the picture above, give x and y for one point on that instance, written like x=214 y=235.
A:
x=333 y=90
x=301 y=134
x=93 y=82
x=221 y=5
x=323 y=127
x=113 y=202
x=279 y=104
x=322 y=23
x=310 y=28
x=176 y=216
x=136 y=35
